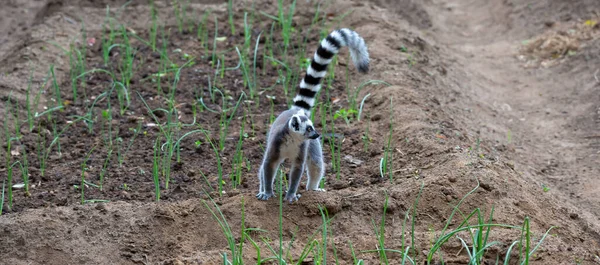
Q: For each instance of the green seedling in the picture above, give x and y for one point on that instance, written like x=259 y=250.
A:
x=156 y=170
x=545 y=188
x=238 y=157
x=180 y=14
x=28 y=105
x=235 y=249
x=77 y=64
x=57 y=96
x=154 y=25
x=366 y=137
x=353 y=97
x=8 y=154
x=386 y=161
x=479 y=239
x=230 y=16
x=219 y=165
x=214 y=51
x=346 y=114
x=107 y=41
x=25 y=170
x=380 y=233
x=2 y=201
x=355 y=260
x=202 y=33
x=121 y=155
x=105 y=167
x=285 y=22
x=84 y=168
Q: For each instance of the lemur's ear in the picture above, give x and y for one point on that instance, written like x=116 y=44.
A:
x=295 y=123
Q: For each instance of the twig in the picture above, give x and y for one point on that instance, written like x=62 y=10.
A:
x=354 y=196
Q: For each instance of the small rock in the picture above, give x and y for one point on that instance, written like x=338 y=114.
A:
x=354 y=162
x=185 y=178
x=573 y=216
x=511 y=164
x=233 y=192
x=448 y=198
x=346 y=204
x=101 y=207
x=486 y=186
x=190 y=173
x=452 y=179
x=375 y=152
x=178 y=189
x=376 y=117
x=125 y=195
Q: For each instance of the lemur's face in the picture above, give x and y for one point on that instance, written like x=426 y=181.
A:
x=302 y=125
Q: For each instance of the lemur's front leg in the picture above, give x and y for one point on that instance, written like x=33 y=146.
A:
x=266 y=176
x=296 y=175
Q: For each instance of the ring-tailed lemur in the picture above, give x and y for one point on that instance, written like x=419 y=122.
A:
x=292 y=135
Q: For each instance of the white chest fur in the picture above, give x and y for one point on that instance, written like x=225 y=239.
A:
x=291 y=148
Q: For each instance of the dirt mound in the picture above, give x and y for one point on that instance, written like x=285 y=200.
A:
x=440 y=134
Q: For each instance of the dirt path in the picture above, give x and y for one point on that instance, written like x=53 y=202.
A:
x=552 y=114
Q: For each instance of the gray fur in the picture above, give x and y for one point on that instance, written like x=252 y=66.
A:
x=289 y=137
x=284 y=144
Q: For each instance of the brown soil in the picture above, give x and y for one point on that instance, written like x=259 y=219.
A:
x=473 y=100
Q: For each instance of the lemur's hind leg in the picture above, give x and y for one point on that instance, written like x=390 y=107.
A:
x=315 y=165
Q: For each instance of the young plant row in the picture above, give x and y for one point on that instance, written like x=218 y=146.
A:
x=320 y=244
x=122 y=58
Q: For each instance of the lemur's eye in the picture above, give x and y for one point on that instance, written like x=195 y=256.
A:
x=309 y=129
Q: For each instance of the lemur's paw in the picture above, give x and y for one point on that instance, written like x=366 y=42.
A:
x=292 y=197
x=263 y=196
x=317 y=189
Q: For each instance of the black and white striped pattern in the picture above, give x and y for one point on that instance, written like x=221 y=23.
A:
x=330 y=46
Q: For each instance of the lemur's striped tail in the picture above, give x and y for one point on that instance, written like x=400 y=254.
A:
x=330 y=46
